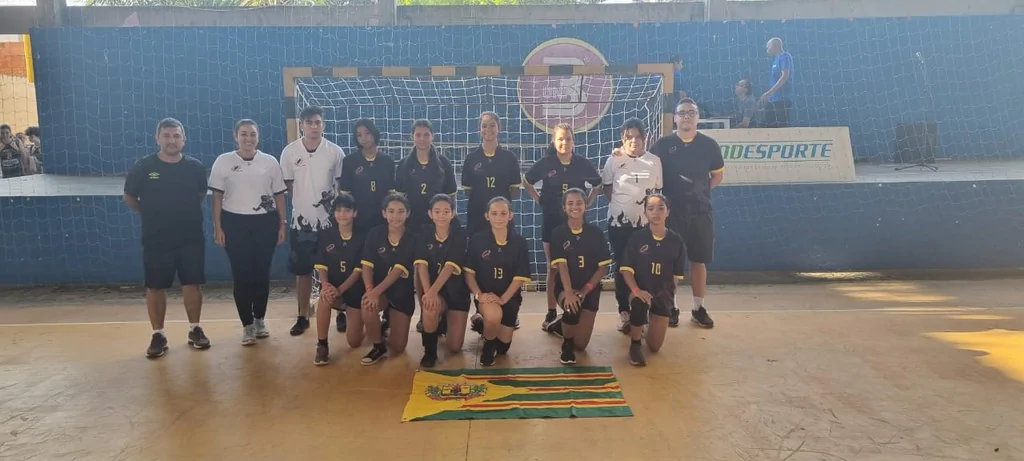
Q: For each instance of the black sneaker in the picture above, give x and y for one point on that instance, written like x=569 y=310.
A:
x=157 y=346
x=300 y=327
x=323 y=355
x=487 y=355
x=517 y=323
x=341 y=322
x=673 y=318
x=701 y=317
x=375 y=355
x=419 y=325
x=550 y=318
x=555 y=328
x=429 y=360
x=636 y=354
x=197 y=339
x=476 y=324
x=568 y=353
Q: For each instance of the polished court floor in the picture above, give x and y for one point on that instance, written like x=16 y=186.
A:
x=869 y=370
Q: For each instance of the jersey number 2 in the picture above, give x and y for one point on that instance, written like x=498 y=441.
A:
x=423 y=189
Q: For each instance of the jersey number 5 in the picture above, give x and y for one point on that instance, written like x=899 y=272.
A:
x=343 y=266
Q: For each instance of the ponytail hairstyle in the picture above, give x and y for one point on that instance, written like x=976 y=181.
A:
x=451 y=203
x=408 y=163
x=551 y=145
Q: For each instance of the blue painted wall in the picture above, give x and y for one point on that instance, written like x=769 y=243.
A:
x=794 y=228
x=101 y=91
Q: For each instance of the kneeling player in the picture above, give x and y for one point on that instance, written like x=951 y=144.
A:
x=580 y=254
x=440 y=253
x=497 y=265
x=341 y=286
x=387 y=259
x=654 y=260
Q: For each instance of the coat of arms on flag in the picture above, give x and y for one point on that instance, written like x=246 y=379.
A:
x=583 y=392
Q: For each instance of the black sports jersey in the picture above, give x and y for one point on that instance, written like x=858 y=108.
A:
x=422 y=182
x=584 y=252
x=559 y=177
x=436 y=254
x=169 y=197
x=341 y=258
x=369 y=181
x=381 y=255
x=494 y=265
x=686 y=171
x=488 y=176
x=655 y=263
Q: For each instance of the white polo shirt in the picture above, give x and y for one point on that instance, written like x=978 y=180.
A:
x=314 y=177
x=249 y=186
x=632 y=179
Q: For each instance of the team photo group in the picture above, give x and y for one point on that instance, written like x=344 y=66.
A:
x=382 y=235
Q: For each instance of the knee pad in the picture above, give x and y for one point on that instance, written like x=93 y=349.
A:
x=502 y=347
x=570 y=318
x=638 y=312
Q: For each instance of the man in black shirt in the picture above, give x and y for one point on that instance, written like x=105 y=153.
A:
x=692 y=165
x=167 y=190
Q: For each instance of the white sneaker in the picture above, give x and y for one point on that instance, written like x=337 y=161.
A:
x=261 y=328
x=624 y=322
x=249 y=335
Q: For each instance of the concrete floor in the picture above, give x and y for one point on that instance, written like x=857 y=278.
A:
x=877 y=370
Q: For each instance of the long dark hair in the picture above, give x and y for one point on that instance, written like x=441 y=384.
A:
x=455 y=224
x=551 y=145
x=434 y=158
x=370 y=126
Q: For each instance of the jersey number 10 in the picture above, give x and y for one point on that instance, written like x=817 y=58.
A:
x=656 y=268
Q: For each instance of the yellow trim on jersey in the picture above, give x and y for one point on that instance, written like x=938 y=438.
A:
x=501 y=244
x=344 y=191
x=574 y=231
x=718 y=170
x=467 y=187
x=604 y=263
x=366 y=263
x=488 y=155
x=521 y=278
x=357 y=270
x=559 y=260
x=515 y=186
x=658 y=239
x=468 y=270
x=419 y=261
x=320 y=266
x=403 y=269
x=458 y=270
x=439 y=240
x=680 y=277
x=627 y=269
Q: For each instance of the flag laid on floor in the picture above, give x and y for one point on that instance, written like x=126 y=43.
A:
x=583 y=392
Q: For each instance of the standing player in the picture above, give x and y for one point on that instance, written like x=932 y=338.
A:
x=489 y=171
x=692 y=165
x=387 y=260
x=628 y=179
x=167 y=190
x=341 y=283
x=369 y=178
x=312 y=167
x=440 y=253
x=655 y=259
x=580 y=255
x=497 y=266
x=249 y=221
x=561 y=170
x=423 y=174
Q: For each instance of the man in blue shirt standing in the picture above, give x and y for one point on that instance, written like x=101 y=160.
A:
x=777 y=100
x=678 y=77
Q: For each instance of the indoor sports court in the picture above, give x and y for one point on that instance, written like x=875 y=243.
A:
x=876 y=369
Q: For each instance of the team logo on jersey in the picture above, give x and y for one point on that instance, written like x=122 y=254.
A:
x=478 y=167
x=644 y=249
x=326 y=197
x=430 y=246
x=486 y=254
x=552 y=173
x=266 y=203
x=567 y=244
x=236 y=168
x=579 y=100
x=299 y=162
x=330 y=248
x=359 y=171
x=381 y=250
x=154 y=175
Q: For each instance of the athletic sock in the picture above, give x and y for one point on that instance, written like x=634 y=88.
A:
x=161 y=331
x=321 y=342
x=192 y=326
x=635 y=341
x=697 y=302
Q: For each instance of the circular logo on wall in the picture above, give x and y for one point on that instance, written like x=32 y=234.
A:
x=579 y=100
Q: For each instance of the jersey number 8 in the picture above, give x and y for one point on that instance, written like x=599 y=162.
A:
x=373 y=186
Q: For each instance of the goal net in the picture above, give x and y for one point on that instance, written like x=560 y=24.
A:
x=529 y=106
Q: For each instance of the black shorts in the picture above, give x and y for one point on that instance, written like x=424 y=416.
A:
x=406 y=303
x=456 y=301
x=550 y=222
x=661 y=308
x=590 y=302
x=303 y=251
x=509 y=312
x=698 y=233
x=187 y=260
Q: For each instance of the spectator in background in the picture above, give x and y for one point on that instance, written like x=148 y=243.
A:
x=14 y=161
x=776 y=101
x=746 y=106
x=35 y=151
x=678 y=80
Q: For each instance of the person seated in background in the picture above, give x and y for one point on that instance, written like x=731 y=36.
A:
x=35 y=149
x=747 y=106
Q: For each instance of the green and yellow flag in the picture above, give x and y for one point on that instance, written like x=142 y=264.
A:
x=583 y=392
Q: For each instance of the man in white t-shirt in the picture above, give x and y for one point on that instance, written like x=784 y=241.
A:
x=312 y=168
x=629 y=176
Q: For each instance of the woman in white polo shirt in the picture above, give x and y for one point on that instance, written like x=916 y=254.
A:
x=249 y=221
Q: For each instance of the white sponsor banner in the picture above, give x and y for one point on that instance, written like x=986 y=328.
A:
x=785 y=155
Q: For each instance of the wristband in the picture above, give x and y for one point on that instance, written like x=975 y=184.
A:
x=635 y=291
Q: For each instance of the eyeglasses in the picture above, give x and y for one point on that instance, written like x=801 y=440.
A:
x=687 y=113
